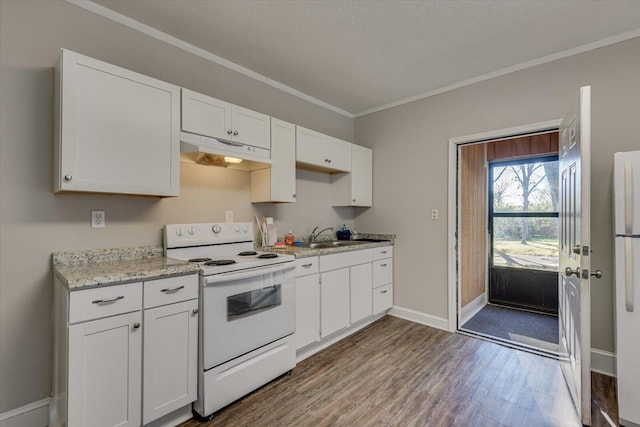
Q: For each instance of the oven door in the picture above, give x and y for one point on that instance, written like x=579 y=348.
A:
x=244 y=310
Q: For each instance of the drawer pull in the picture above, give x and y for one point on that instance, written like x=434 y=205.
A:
x=307 y=265
x=383 y=265
x=383 y=292
x=194 y=311
x=383 y=252
x=136 y=325
x=177 y=288
x=107 y=300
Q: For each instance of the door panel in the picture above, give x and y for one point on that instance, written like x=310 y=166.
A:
x=575 y=247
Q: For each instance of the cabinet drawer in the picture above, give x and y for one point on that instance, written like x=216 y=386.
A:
x=384 y=252
x=170 y=290
x=305 y=266
x=345 y=259
x=382 y=299
x=104 y=302
x=382 y=272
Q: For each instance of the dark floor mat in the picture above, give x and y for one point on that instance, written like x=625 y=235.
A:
x=523 y=327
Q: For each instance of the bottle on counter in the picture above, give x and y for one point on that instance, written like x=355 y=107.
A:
x=289 y=239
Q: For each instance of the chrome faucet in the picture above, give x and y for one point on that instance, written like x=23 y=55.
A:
x=314 y=235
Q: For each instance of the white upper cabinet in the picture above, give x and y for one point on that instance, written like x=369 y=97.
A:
x=355 y=188
x=208 y=116
x=117 y=131
x=319 y=151
x=278 y=182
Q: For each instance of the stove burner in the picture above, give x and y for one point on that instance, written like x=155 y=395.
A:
x=199 y=259
x=248 y=253
x=268 y=256
x=217 y=262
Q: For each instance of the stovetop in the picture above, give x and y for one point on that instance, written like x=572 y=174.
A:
x=218 y=247
x=226 y=263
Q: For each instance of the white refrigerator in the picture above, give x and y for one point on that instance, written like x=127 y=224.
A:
x=627 y=277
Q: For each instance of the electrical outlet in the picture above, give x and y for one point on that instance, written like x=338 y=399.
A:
x=228 y=216
x=97 y=219
x=434 y=214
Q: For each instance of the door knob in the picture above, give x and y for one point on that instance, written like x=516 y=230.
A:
x=568 y=271
x=597 y=274
x=576 y=249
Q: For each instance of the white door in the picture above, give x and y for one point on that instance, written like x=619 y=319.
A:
x=334 y=301
x=205 y=115
x=575 y=253
x=361 y=176
x=360 y=292
x=105 y=364
x=307 y=310
x=251 y=127
x=170 y=370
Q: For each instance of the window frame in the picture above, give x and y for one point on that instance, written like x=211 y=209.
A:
x=491 y=214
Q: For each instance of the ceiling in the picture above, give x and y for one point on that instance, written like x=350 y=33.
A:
x=358 y=56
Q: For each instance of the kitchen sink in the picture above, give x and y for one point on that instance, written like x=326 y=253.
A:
x=329 y=244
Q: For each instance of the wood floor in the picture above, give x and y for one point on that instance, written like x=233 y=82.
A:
x=399 y=373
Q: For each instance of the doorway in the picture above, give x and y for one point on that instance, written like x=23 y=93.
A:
x=507 y=229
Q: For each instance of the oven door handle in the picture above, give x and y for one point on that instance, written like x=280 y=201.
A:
x=245 y=274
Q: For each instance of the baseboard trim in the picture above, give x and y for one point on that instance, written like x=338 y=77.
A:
x=603 y=362
x=313 y=348
x=472 y=308
x=419 y=317
x=33 y=414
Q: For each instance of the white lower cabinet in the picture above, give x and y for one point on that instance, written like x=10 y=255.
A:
x=105 y=372
x=100 y=375
x=170 y=358
x=382 y=279
x=360 y=292
x=307 y=301
x=334 y=301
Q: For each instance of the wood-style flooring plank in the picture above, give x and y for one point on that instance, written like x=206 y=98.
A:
x=399 y=373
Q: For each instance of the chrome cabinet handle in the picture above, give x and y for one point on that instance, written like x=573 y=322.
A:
x=177 y=288
x=229 y=131
x=353 y=200
x=235 y=132
x=306 y=265
x=294 y=196
x=383 y=292
x=383 y=265
x=68 y=177
x=597 y=274
x=136 y=325
x=195 y=311
x=568 y=271
x=383 y=252
x=107 y=300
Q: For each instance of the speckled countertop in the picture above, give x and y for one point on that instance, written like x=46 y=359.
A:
x=103 y=267
x=303 y=252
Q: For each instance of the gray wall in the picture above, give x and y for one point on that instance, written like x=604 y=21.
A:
x=35 y=222
x=410 y=143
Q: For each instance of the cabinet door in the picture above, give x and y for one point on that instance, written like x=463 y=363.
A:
x=310 y=147
x=278 y=182
x=307 y=310
x=334 y=301
x=251 y=127
x=338 y=154
x=361 y=176
x=105 y=372
x=360 y=291
x=117 y=131
x=170 y=358
x=205 y=115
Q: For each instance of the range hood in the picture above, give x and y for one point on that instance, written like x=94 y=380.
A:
x=221 y=152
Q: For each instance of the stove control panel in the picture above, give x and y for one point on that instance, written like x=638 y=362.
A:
x=183 y=235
